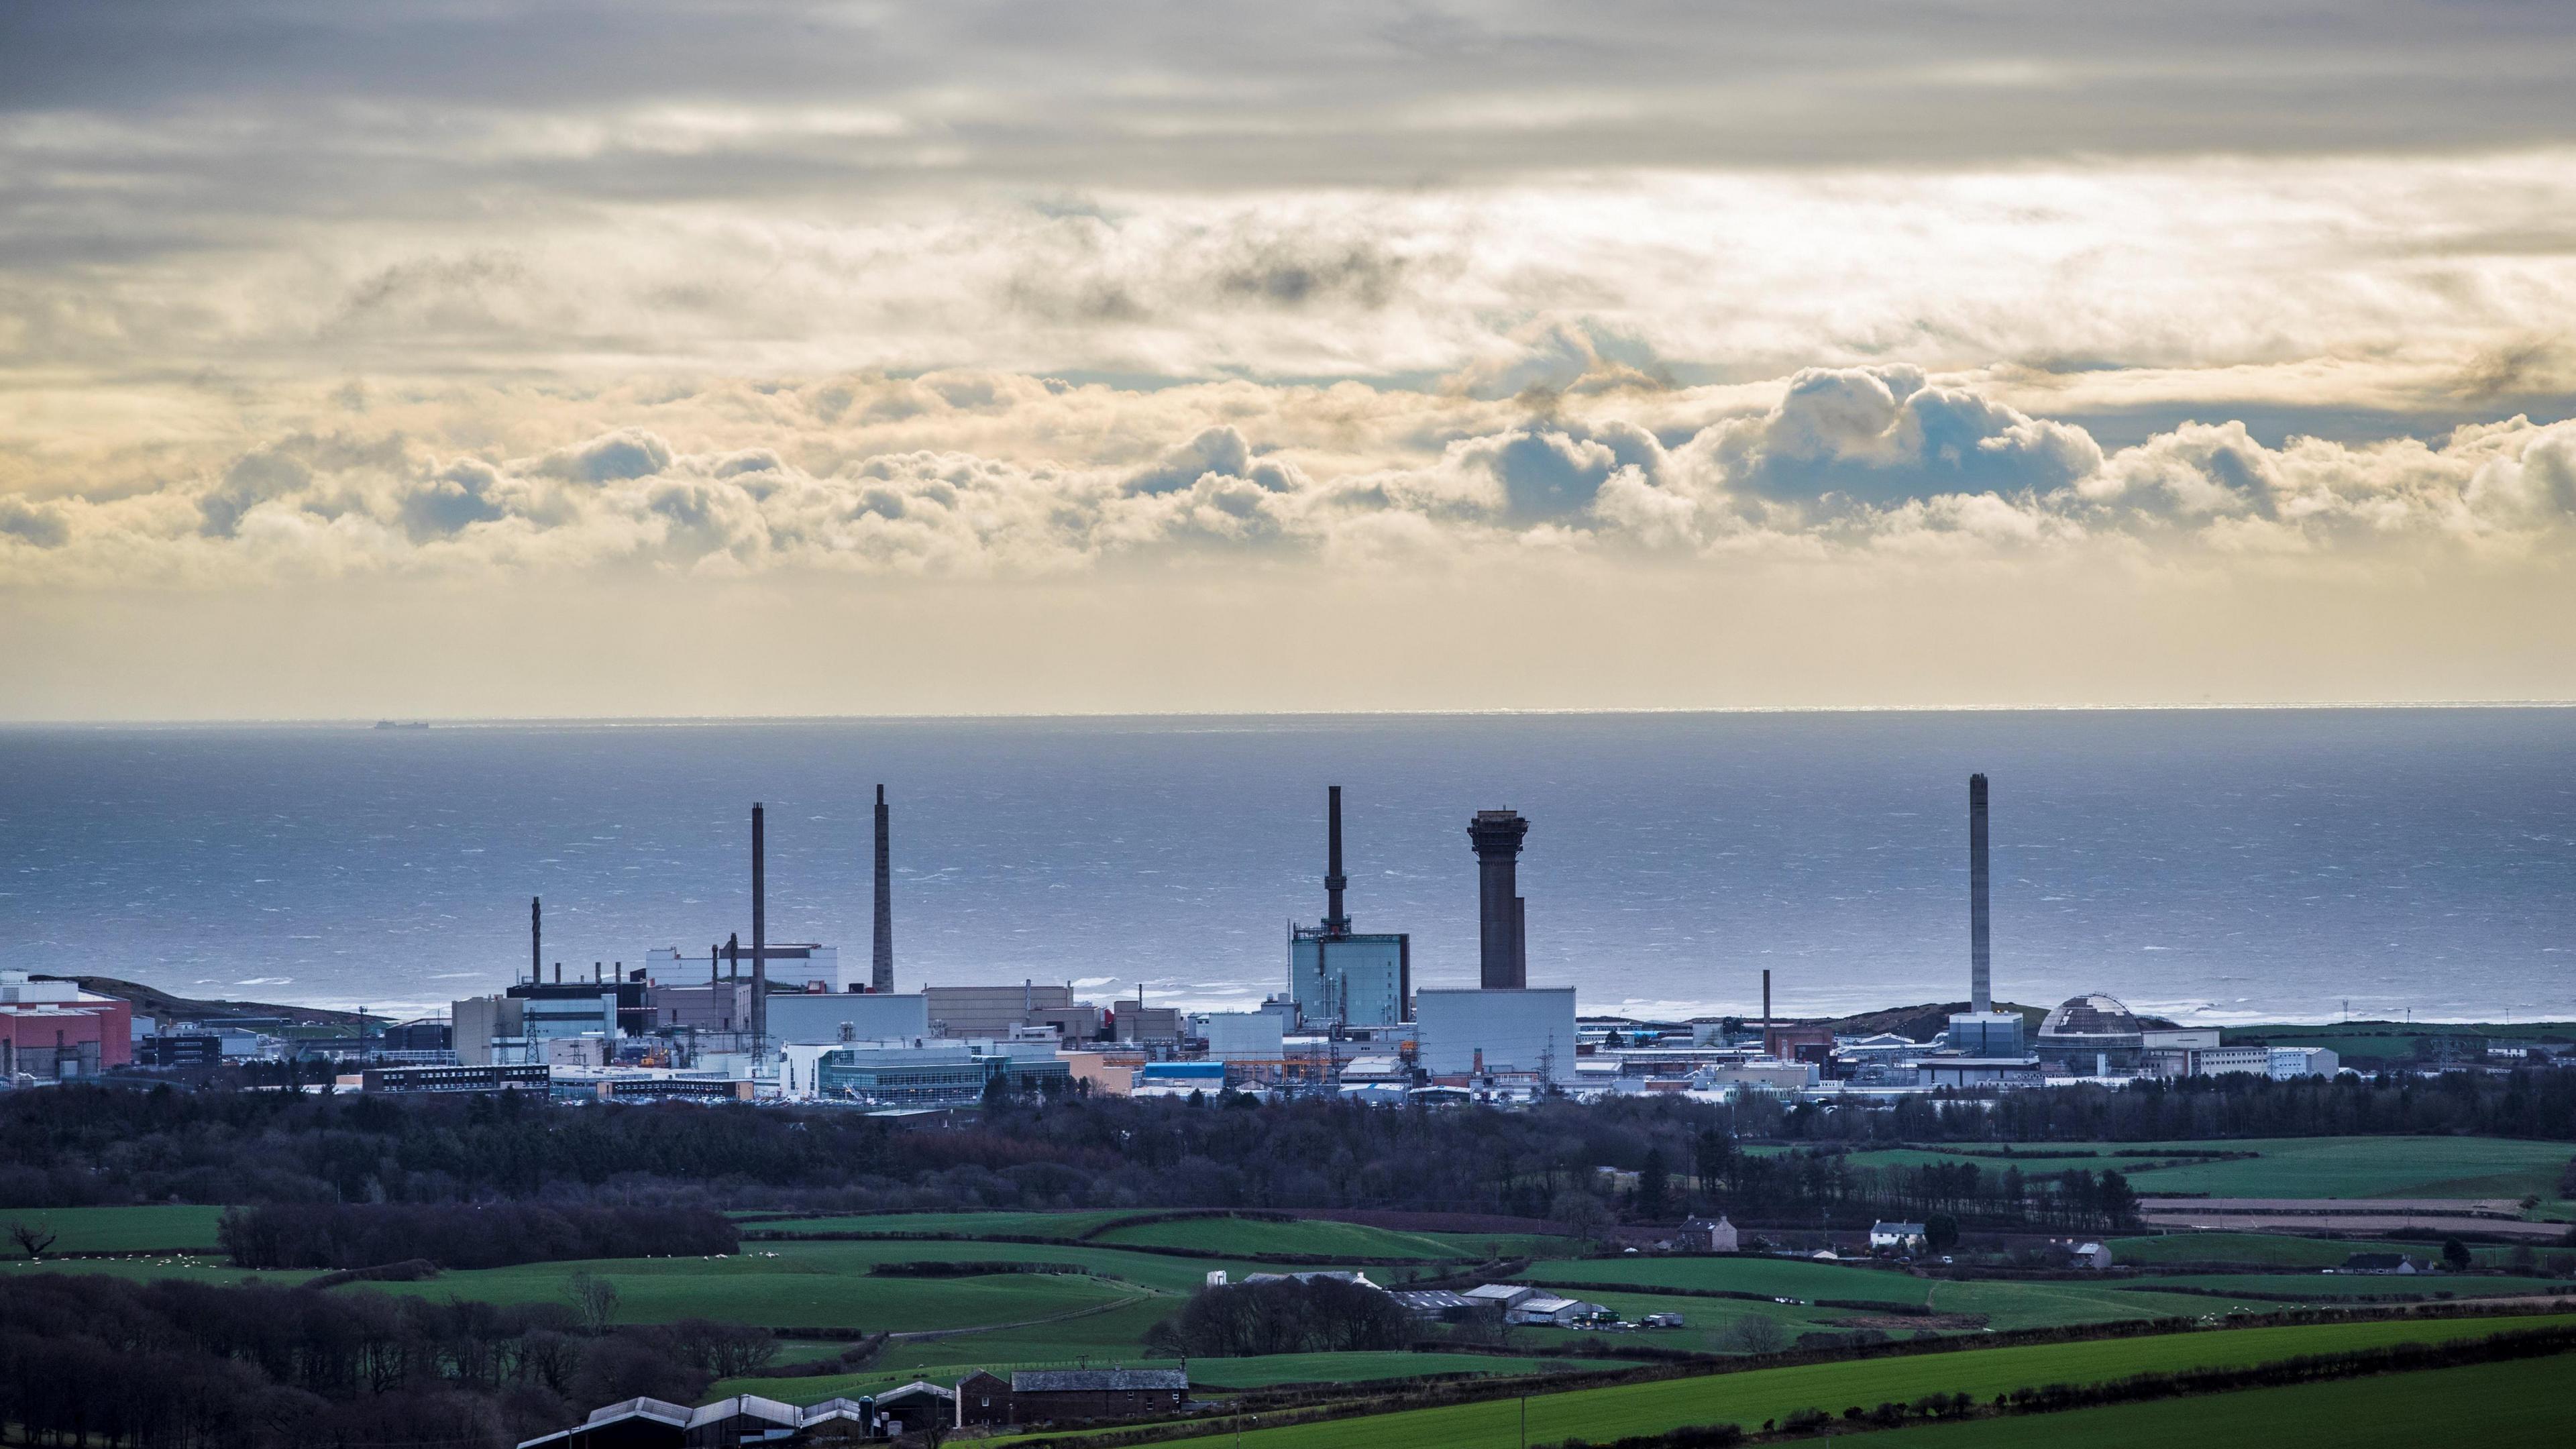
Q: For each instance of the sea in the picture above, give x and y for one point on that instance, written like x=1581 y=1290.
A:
x=2208 y=865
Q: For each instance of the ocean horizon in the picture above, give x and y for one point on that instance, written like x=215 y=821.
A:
x=2213 y=864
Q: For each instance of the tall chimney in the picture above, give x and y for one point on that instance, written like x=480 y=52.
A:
x=1496 y=836
x=1980 y=959
x=715 y=954
x=759 y=936
x=882 y=979
x=1335 y=923
x=1766 y=1009
x=536 y=939
x=733 y=955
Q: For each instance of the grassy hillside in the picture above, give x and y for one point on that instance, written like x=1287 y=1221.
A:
x=2495 y=1404
x=1222 y=1374
x=1253 y=1237
x=119 y=1229
x=1748 y=1398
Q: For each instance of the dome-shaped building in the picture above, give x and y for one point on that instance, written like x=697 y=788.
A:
x=2091 y=1036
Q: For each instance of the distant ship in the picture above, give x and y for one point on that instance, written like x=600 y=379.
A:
x=402 y=724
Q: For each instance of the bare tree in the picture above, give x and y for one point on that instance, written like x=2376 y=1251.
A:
x=593 y=1298
x=1754 y=1333
x=33 y=1239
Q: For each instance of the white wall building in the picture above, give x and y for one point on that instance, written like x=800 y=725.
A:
x=1530 y=1030
x=838 y=1016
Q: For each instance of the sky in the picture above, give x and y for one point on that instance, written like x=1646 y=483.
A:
x=440 y=358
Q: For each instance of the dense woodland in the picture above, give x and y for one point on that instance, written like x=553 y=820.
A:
x=464 y=1235
x=1318 y=1315
x=103 y=1361
x=79 y=1145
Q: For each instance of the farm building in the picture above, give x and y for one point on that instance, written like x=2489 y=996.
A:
x=1437 y=1305
x=1041 y=1396
x=2379 y=1263
x=742 y=1419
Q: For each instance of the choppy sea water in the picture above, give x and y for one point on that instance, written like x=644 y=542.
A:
x=2212 y=865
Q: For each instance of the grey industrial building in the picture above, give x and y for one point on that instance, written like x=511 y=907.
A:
x=1338 y=977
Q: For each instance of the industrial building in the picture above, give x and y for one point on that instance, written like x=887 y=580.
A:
x=797 y=1018
x=1464 y=1032
x=935 y=1072
x=2091 y=1036
x=51 y=1030
x=1336 y=976
x=991 y=1011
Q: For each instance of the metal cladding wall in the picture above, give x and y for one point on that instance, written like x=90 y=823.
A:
x=813 y=1017
x=1355 y=980
x=1246 y=1036
x=1528 y=1030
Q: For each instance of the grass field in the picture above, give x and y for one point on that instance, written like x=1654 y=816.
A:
x=2498 y=1404
x=2324 y=1286
x=1221 y=1374
x=1252 y=1237
x=2369 y=1167
x=119 y=1229
x=1024 y=1225
x=1750 y=1397
x=819 y=1289
x=2282 y=1250
x=2344 y=1167
x=194 y=1267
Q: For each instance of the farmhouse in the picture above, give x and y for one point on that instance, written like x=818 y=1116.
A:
x=1895 y=1237
x=2379 y=1263
x=1701 y=1235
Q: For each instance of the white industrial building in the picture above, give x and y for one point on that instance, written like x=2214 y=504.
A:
x=838 y=1016
x=1526 y=1030
x=1245 y=1036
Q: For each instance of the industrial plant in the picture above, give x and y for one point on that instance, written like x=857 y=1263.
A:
x=787 y=1021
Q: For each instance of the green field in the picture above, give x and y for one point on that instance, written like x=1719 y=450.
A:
x=119 y=1229
x=2284 y=1250
x=1222 y=1374
x=2495 y=1404
x=1750 y=1397
x=1253 y=1237
x=2323 y=1286
x=968 y=1225
x=193 y=1267
x=2369 y=1167
x=2464 y=1167
x=821 y=1289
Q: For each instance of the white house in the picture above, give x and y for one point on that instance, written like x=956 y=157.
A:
x=1895 y=1237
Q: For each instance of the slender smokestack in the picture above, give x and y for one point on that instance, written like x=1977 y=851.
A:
x=759 y=935
x=1335 y=923
x=1766 y=1010
x=715 y=954
x=882 y=979
x=1496 y=836
x=536 y=939
x=1980 y=958
x=733 y=955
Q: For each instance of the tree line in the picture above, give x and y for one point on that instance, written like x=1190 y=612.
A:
x=79 y=1144
x=1286 y=1315
x=464 y=1235
x=103 y=1361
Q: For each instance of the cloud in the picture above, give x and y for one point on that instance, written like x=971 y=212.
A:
x=746 y=479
